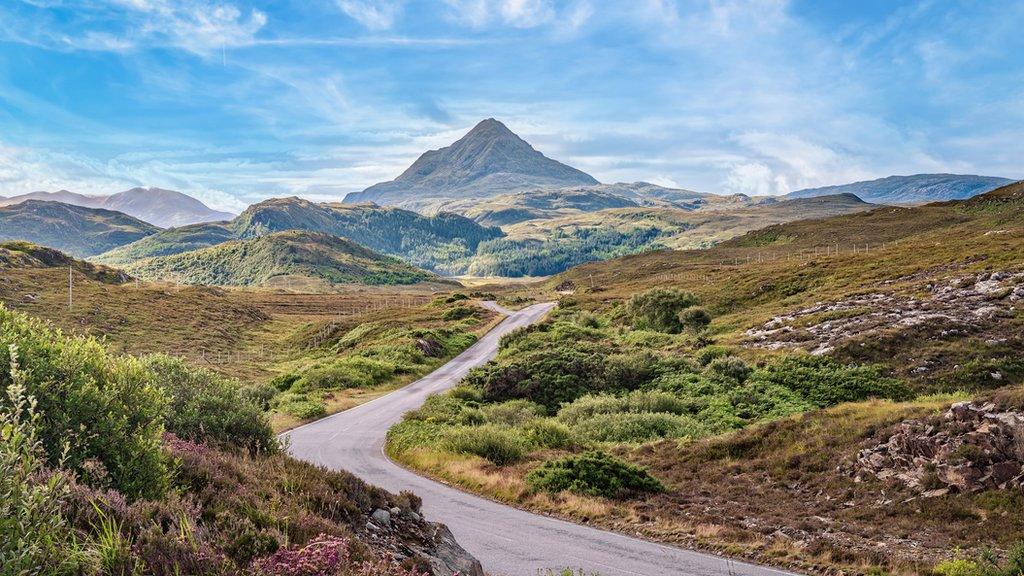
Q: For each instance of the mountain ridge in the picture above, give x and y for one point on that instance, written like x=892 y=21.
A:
x=157 y=206
x=912 y=189
x=76 y=230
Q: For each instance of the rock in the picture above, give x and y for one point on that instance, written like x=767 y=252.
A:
x=395 y=511
x=935 y=493
x=450 y=558
x=381 y=517
x=429 y=347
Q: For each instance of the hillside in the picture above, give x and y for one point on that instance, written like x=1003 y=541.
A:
x=163 y=208
x=916 y=189
x=24 y=255
x=426 y=241
x=73 y=229
x=547 y=246
x=859 y=380
x=489 y=160
x=284 y=259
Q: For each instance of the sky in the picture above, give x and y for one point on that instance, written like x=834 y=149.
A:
x=234 y=102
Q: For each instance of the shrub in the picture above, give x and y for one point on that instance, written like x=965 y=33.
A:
x=958 y=567
x=447 y=409
x=101 y=407
x=731 y=367
x=512 y=413
x=208 y=408
x=593 y=474
x=284 y=381
x=659 y=308
x=305 y=409
x=261 y=395
x=458 y=313
x=706 y=354
x=639 y=427
x=499 y=445
x=34 y=534
x=546 y=433
x=825 y=382
x=640 y=401
x=548 y=376
x=694 y=319
x=348 y=372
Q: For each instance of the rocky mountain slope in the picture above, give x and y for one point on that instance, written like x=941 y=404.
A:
x=916 y=189
x=289 y=258
x=425 y=241
x=163 y=208
x=487 y=161
x=76 y=230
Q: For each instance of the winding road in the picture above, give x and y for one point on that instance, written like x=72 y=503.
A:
x=508 y=541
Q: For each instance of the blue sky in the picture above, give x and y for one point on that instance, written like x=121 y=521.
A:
x=237 y=101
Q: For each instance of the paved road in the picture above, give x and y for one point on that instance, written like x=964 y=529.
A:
x=507 y=541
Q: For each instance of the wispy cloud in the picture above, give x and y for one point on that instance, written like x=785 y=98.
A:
x=373 y=14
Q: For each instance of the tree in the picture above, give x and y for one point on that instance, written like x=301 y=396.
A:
x=694 y=319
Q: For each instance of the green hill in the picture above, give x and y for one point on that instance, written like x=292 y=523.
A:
x=426 y=241
x=22 y=255
x=281 y=259
x=76 y=230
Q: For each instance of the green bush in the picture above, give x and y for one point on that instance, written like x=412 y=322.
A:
x=986 y=564
x=305 y=409
x=458 y=313
x=694 y=319
x=447 y=409
x=658 y=309
x=706 y=354
x=108 y=409
x=283 y=382
x=512 y=413
x=730 y=367
x=825 y=382
x=593 y=474
x=499 y=445
x=35 y=537
x=205 y=407
x=547 y=433
x=589 y=406
x=347 y=372
x=638 y=427
x=547 y=376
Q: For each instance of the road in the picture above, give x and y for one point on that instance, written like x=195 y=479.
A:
x=508 y=541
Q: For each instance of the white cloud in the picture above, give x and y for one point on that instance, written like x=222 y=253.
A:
x=373 y=14
x=527 y=13
x=516 y=13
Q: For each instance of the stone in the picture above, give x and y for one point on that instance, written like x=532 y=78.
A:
x=381 y=517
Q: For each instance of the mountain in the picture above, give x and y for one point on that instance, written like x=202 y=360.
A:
x=163 y=208
x=76 y=230
x=281 y=259
x=487 y=161
x=426 y=241
x=916 y=189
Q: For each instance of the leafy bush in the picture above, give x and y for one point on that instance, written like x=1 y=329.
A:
x=447 y=409
x=986 y=564
x=825 y=382
x=305 y=408
x=694 y=319
x=205 y=407
x=639 y=427
x=347 y=372
x=284 y=381
x=34 y=533
x=103 y=408
x=499 y=445
x=512 y=413
x=730 y=367
x=546 y=433
x=458 y=313
x=593 y=474
x=546 y=376
x=659 y=309
x=705 y=355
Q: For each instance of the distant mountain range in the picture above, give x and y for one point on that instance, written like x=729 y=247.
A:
x=77 y=230
x=284 y=259
x=488 y=161
x=916 y=189
x=163 y=208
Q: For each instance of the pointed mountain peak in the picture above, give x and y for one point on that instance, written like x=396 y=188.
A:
x=489 y=128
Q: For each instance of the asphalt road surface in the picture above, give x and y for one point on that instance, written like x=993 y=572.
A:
x=508 y=541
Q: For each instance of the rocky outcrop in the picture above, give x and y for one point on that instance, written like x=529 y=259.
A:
x=403 y=533
x=972 y=447
x=959 y=306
